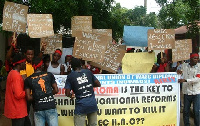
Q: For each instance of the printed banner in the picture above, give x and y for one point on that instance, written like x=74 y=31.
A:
x=129 y=99
x=14 y=17
x=160 y=39
x=136 y=35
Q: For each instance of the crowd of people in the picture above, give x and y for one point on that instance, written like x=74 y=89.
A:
x=31 y=85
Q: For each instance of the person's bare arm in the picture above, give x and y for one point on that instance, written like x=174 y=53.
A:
x=42 y=49
x=29 y=97
x=62 y=70
x=67 y=92
x=97 y=83
x=55 y=88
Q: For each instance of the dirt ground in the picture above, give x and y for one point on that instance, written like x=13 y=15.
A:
x=7 y=122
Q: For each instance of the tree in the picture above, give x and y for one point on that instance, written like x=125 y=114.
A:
x=180 y=12
x=63 y=10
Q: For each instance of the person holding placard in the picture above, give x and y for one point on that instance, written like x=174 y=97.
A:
x=191 y=88
x=53 y=66
x=81 y=82
x=161 y=65
x=15 y=101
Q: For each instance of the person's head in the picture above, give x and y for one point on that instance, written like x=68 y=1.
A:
x=17 y=49
x=161 y=60
x=37 y=64
x=46 y=60
x=194 y=57
x=29 y=53
x=68 y=58
x=75 y=63
x=57 y=55
x=19 y=62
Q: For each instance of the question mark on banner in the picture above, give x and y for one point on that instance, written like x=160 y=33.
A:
x=138 y=120
x=142 y=120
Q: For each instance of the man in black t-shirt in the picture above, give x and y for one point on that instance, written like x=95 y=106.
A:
x=43 y=86
x=82 y=82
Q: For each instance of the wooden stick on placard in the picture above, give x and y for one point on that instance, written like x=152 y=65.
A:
x=161 y=54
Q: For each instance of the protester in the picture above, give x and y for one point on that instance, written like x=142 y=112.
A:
x=81 y=82
x=53 y=66
x=161 y=65
x=46 y=60
x=191 y=88
x=67 y=64
x=15 y=101
x=43 y=86
x=11 y=51
x=29 y=70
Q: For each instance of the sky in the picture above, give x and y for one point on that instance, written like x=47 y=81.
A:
x=152 y=6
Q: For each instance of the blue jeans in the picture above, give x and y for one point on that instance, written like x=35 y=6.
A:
x=188 y=100
x=50 y=116
x=79 y=120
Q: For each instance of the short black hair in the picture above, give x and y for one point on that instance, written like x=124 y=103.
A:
x=17 y=57
x=46 y=57
x=75 y=63
x=37 y=60
x=29 y=48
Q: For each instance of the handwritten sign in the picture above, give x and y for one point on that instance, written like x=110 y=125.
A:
x=90 y=46
x=40 y=25
x=52 y=43
x=107 y=32
x=182 y=50
x=81 y=23
x=140 y=62
x=112 y=59
x=159 y=39
x=14 y=17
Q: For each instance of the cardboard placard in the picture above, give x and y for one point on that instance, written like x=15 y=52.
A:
x=81 y=23
x=160 y=39
x=14 y=17
x=52 y=43
x=107 y=32
x=112 y=59
x=90 y=46
x=182 y=50
x=40 y=25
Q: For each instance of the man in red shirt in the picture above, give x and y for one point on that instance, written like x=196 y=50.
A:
x=15 y=101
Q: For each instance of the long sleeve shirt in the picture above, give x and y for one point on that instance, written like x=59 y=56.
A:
x=192 y=86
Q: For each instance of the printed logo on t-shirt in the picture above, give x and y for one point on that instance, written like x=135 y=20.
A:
x=82 y=79
x=42 y=85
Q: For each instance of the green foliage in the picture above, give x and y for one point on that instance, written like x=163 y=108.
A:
x=178 y=13
x=104 y=14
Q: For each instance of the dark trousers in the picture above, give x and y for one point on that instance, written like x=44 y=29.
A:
x=18 y=122
x=27 y=119
x=188 y=100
